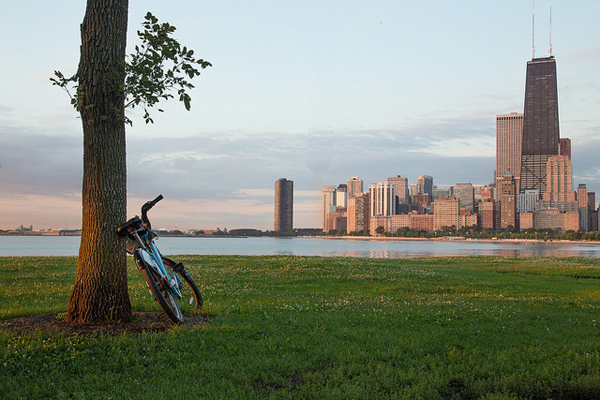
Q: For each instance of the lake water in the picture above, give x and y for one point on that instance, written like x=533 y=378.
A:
x=69 y=246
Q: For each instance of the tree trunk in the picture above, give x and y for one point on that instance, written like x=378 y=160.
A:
x=100 y=290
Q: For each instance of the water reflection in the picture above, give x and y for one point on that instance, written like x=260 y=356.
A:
x=69 y=246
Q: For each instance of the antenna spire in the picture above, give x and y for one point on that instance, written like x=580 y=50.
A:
x=550 y=40
x=533 y=32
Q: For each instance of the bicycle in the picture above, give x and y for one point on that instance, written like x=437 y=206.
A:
x=163 y=275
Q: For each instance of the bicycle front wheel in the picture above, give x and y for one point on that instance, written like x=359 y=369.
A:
x=195 y=299
x=160 y=290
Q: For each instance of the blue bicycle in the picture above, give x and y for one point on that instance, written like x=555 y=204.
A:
x=164 y=276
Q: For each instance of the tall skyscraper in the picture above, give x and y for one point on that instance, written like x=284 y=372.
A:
x=401 y=184
x=341 y=195
x=284 y=205
x=465 y=194
x=355 y=186
x=358 y=213
x=564 y=147
x=426 y=183
x=584 y=210
x=328 y=202
x=509 y=138
x=559 y=180
x=508 y=201
x=540 y=123
x=383 y=199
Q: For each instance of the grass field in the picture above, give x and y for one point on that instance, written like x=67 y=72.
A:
x=312 y=327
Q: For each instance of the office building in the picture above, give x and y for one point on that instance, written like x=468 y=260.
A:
x=446 y=213
x=284 y=205
x=509 y=138
x=328 y=204
x=528 y=201
x=402 y=192
x=355 y=186
x=440 y=192
x=583 y=205
x=425 y=185
x=421 y=222
x=341 y=195
x=559 y=180
x=540 y=123
x=465 y=193
x=358 y=213
x=508 y=201
x=382 y=197
x=488 y=211
x=564 y=147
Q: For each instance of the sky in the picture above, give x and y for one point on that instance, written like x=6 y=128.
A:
x=313 y=91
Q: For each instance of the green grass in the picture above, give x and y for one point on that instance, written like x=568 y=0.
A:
x=312 y=327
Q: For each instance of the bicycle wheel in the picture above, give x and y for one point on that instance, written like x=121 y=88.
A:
x=159 y=288
x=195 y=299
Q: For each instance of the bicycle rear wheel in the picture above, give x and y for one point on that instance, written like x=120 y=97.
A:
x=159 y=289
x=195 y=299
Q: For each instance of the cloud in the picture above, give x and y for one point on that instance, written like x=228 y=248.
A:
x=227 y=179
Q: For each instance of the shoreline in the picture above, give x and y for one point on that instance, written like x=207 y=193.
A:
x=455 y=239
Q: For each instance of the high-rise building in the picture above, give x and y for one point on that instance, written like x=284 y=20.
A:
x=446 y=213
x=582 y=196
x=465 y=194
x=583 y=204
x=341 y=195
x=355 y=186
x=284 y=205
x=559 y=180
x=328 y=202
x=528 y=201
x=383 y=199
x=402 y=192
x=426 y=185
x=415 y=189
x=509 y=138
x=358 y=213
x=508 y=201
x=540 y=123
x=564 y=147
x=488 y=209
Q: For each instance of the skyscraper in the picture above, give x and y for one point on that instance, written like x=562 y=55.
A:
x=426 y=184
x=284 y=205
x=508 y=202
x=355 y=186
x=564 y=147
x=559 y=180
x=509 y=138
x=328 y=202
x=465 y=194
x=341 y=195
x=540 y=123
x=383 y=199
x=401 y=184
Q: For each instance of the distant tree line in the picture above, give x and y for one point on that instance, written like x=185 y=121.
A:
x=248 y=232
x=475 y=232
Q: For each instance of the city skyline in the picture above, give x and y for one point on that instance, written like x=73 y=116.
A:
x=369 y=89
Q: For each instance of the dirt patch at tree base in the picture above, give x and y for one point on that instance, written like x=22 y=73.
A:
x=55 y=323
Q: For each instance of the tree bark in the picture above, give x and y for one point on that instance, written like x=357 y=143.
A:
x=100 y=291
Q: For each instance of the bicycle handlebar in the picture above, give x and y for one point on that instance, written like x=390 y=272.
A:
x=147 y=206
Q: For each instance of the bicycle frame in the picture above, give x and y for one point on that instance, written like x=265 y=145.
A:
x=163 y=276
x=147 y=246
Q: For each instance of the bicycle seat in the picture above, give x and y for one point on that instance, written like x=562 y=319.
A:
x=134 y=223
